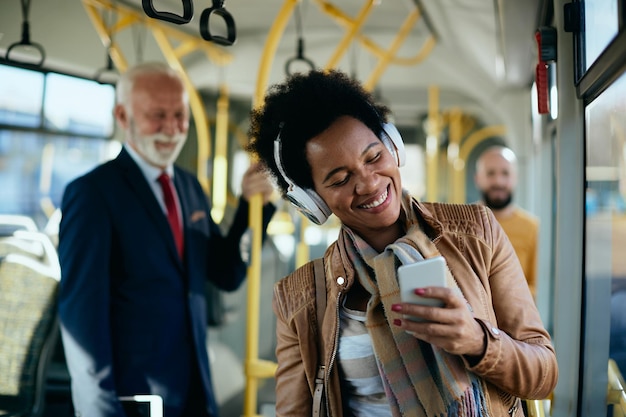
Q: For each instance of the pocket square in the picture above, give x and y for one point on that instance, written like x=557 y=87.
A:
x=197 y=215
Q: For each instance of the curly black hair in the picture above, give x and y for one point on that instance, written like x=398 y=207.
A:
x=301 y=108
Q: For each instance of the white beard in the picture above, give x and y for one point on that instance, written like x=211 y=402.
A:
x=152 y=149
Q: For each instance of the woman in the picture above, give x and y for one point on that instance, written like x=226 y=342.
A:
x=328 y=146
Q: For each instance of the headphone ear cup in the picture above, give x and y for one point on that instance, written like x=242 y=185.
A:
x=309 y=203
x=396 y=147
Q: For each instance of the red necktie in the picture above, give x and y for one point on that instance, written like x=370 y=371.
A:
x=172 y=211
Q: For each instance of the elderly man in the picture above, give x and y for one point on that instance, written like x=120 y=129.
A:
x=136 y=245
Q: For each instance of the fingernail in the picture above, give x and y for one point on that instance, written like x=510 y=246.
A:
x=420 y=291
x=397 y=322
x=396 y=307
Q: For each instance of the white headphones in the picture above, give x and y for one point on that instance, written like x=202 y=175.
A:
x=307 y=201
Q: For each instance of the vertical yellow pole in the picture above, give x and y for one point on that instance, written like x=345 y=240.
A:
x=302 y=251
x=432 y=144
x=454 y=164
x=252 y=321
x=220 y=160
x=256 y=369
x=271 y=45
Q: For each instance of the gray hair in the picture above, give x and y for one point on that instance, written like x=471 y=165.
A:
x=127 y=80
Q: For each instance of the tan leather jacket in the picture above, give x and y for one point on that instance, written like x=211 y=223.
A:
x=519 y=361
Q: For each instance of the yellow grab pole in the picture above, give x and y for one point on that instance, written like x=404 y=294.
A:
x=371 y=46
x=351 y=34
x=384 y=61
x=254 y=367
x=432 y=144
x=616 y=389
x=454 y=164
x=269 y=51
x=220 y=160
x=302 y=251
x=535 y=408
x=105 y=36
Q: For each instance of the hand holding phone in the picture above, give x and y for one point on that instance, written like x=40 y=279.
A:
x=427 y=273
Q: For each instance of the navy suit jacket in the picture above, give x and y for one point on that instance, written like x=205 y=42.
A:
x=133 y=314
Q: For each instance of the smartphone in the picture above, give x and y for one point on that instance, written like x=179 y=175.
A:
x=427 y=273
x=142 y=405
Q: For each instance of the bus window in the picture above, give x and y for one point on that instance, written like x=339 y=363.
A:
x=53 y=128
x=605 y=265
x=21 y=94
x=79 y=106
x=602 y=16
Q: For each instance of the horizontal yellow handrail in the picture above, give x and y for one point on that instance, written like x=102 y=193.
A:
x=535 y=408
x=616 y=395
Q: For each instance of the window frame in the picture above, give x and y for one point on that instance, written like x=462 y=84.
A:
x=42 y=123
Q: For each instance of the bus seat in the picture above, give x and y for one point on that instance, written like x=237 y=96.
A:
x=28 y=329
x=12 y=244
x=9 y=223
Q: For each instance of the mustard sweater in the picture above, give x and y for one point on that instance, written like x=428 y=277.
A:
x=522 y=229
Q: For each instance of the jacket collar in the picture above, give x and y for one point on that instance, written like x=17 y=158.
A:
x=341 y=267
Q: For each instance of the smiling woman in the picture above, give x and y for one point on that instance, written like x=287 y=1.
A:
x=375 y=353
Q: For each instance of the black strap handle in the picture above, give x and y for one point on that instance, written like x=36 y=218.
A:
x=108 y=72
x=25 y=41
x=300 y=49
x=205 y=30
x=299 y=57
x=149 y=9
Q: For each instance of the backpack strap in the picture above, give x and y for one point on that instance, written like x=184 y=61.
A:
x=320 y=304
x=320 y=291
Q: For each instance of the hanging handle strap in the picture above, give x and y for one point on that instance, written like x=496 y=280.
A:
x=300 y=49
x=108 y=73
x=150 y=11
x=299 y=57
x=25 y=41
x=205 y=29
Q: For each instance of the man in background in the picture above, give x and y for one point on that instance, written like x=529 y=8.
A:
x=137 y=244
x=496 y=179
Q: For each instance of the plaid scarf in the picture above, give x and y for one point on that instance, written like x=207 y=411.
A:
x=420 y=379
